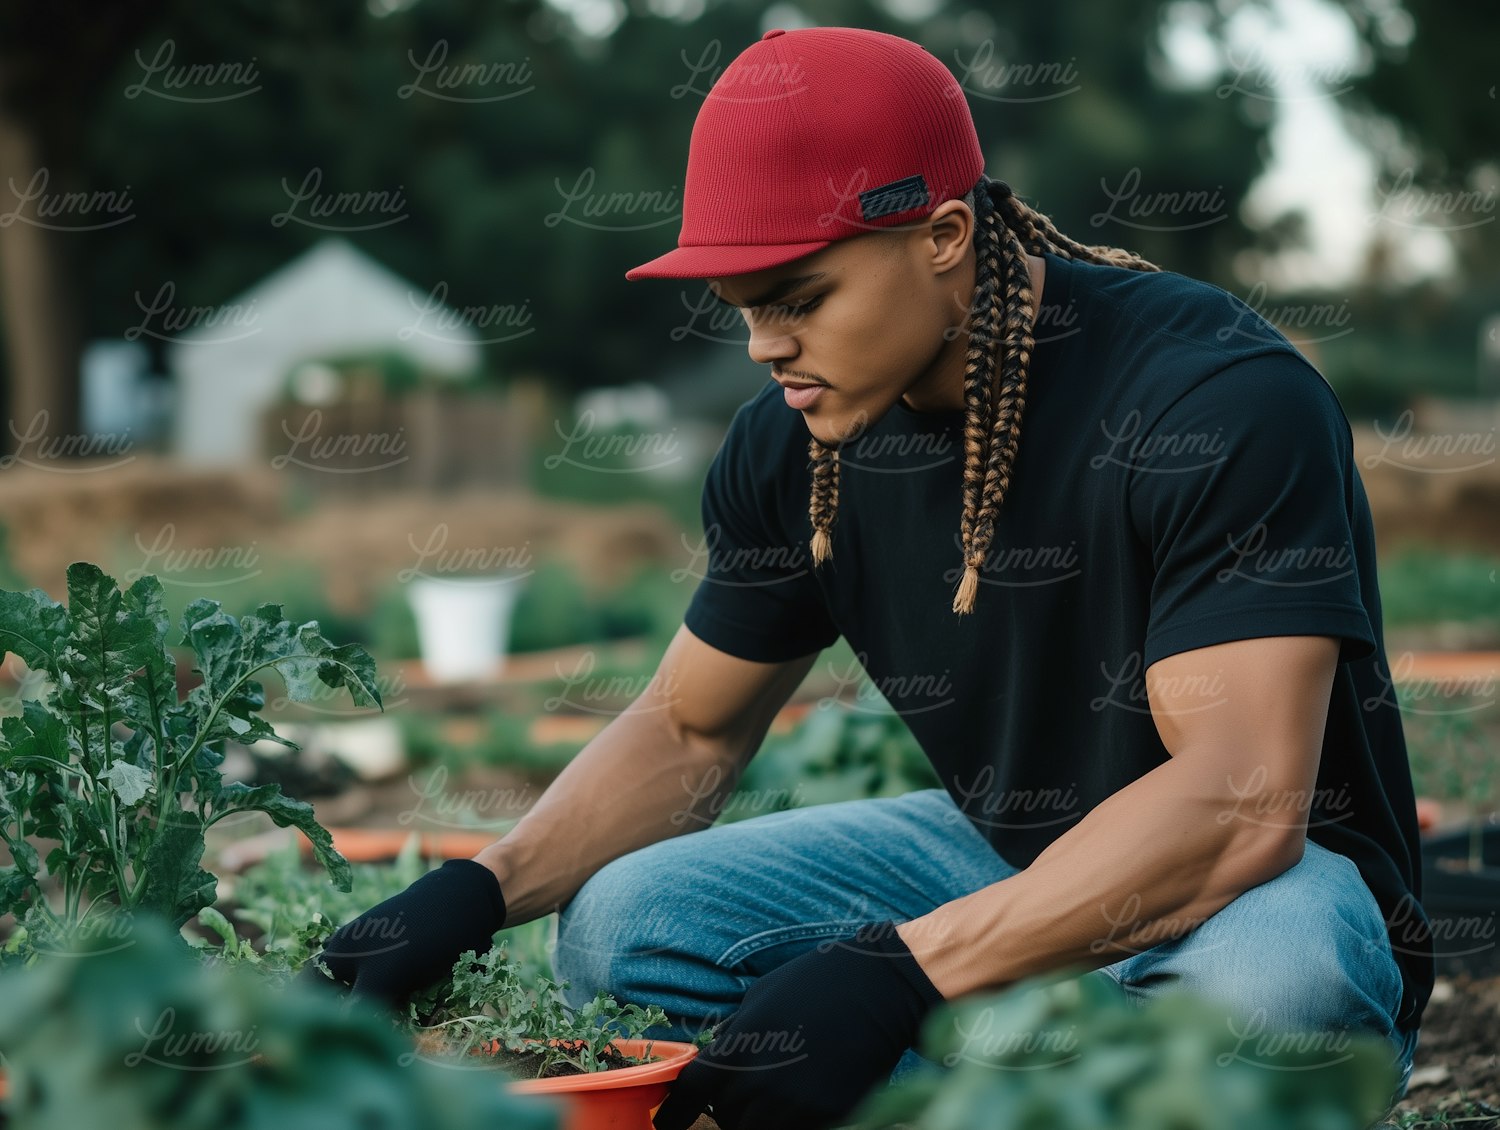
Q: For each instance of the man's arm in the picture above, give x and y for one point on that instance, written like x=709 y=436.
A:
x=1173 y=847
x=661 y=768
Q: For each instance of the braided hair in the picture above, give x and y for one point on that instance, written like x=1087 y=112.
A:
x=1000 y=326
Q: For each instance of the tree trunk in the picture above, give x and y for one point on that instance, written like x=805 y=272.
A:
x=41 y=331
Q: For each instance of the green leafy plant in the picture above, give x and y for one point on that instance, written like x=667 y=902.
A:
x=144 y=1037
x=277 y=961
x=508 y=994
x=833 y=754
x=122 y=775
x=288 y=906
x=489 y=1002
x=1076 y=1052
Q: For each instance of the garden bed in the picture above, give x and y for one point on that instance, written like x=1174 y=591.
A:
x=1456 y=1073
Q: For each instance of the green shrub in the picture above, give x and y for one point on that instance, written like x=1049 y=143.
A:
x=393 y=626
x=126 y=815
x=554 y=609
x=1074 y=1052
x=1424 y=586
x=835 y=753
x=146 y=1037
x=650 y=604
x=282 y=899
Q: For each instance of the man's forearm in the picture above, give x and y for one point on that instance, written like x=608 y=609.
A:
x=635 y=783
x=1149 y=863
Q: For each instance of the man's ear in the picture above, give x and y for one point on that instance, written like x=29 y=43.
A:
x=948 y=235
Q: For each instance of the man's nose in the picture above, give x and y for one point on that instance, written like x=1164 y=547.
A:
x=772 y=339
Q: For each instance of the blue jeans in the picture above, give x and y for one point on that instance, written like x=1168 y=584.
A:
x=689 y=923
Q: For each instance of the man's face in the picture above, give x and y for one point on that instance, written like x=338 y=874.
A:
x=864 y=320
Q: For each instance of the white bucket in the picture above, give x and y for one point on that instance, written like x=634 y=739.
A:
x=463 y=624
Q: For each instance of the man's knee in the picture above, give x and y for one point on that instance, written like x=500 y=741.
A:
x=1302 y=988
x=591 y=926
x=1306 y=951
x=617 y=923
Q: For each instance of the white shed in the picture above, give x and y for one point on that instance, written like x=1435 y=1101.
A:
x=331 y=299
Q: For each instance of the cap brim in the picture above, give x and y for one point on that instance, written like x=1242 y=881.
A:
x=730 y=259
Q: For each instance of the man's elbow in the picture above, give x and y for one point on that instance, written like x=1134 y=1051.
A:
x=1260 y=858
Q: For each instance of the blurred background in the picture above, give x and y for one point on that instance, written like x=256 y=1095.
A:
x=323 y=304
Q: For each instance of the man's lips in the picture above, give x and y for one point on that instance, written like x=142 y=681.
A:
x=797 y=384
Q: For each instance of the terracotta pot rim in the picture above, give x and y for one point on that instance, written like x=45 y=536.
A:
x=671 y=1057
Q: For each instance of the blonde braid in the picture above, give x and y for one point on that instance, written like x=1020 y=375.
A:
x=823 y=507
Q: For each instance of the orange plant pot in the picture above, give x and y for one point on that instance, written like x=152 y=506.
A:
x=625 y=1098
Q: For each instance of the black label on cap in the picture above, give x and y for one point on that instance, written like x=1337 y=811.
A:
x=898 y=196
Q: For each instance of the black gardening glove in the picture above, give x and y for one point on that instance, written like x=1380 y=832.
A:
x=810 y=1039
x=412 y=939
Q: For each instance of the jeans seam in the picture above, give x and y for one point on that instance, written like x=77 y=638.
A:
x=801 y=932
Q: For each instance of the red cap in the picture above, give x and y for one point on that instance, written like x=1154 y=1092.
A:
x=812 y=136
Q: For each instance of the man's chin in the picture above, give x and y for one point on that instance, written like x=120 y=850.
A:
x=838 y=429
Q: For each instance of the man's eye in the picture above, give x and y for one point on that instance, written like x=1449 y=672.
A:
x=800 y=308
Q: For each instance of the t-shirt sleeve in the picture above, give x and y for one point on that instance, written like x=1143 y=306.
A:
x=757 y=596
x=1242 y=493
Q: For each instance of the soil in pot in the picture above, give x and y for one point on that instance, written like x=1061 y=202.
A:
x=525 y=1064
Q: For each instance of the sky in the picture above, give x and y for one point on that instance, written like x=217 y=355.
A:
x=1301 y=60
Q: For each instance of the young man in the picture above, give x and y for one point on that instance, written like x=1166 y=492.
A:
x=1096 y=533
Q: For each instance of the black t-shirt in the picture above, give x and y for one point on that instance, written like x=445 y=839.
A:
x=1184 y=478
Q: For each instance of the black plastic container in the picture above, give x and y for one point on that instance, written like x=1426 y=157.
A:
x=1463 y=904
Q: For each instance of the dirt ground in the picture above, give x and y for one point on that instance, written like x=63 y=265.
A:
x=1432 y=479
x=154 y=516
x=1456 y=1071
